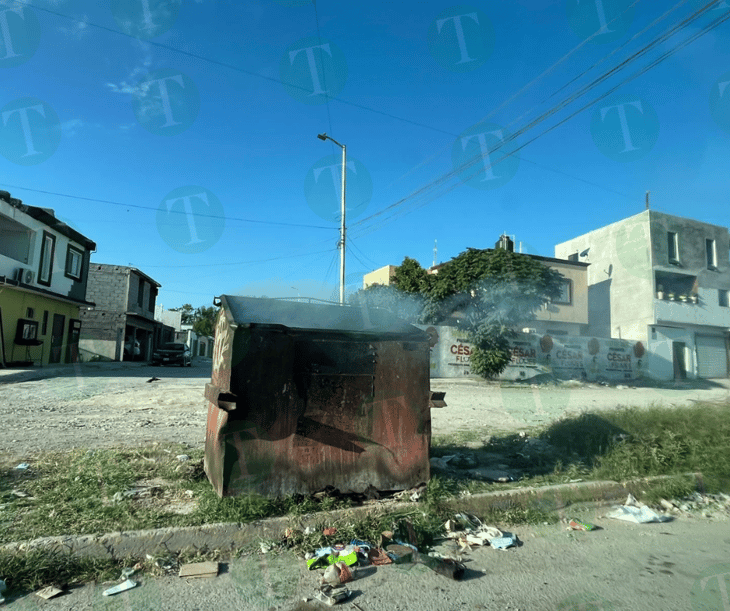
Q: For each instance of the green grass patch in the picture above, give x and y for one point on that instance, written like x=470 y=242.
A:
x=29 y=571
x=625 y=443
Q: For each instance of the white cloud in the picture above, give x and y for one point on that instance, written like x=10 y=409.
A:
x=77 y=29
x=130 y=85
x=71 y=127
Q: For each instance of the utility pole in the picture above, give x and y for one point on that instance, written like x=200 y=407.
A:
x=342 y=213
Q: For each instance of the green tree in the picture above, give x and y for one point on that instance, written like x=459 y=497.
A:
x=486 y=293
x=188 y=314
x=204 y=320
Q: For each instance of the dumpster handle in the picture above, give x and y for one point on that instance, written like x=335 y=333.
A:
x=220 y=398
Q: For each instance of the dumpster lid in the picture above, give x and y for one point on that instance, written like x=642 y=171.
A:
x=319 y=317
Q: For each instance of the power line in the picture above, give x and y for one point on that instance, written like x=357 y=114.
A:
x=671 y=31
x=220 y=264
x=139 y=206
x=327 y=97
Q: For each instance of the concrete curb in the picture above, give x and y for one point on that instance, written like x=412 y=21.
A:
x=228 y=537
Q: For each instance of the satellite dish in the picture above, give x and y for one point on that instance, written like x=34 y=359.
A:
x=585 y=252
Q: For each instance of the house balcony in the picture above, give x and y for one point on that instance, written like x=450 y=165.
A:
x=694 y=310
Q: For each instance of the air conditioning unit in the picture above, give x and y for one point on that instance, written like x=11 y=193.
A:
x=24 y=275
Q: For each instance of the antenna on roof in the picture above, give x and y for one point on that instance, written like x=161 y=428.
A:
x=647 y=200
x=435 y=252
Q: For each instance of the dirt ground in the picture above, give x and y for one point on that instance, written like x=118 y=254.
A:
x=98 y=406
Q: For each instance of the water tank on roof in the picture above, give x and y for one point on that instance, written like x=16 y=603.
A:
x=505 y=243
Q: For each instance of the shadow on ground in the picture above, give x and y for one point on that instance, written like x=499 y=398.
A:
x=580 y=440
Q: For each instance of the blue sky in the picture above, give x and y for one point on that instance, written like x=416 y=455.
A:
x=181 y=135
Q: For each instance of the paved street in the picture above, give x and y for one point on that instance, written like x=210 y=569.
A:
x=637 y=567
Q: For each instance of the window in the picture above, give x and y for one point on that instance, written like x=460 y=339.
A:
x=672 y=247
x=140 y=293
x=45 y=268
x=153 y=294
x=722 y=298
x=566 y=293
x=45 y=322
x=711 y=254
x=74 y=262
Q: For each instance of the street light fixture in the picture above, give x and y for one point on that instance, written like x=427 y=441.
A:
x=342 y=214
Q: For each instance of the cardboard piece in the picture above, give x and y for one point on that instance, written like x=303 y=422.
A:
x=199 y=569
x=49 y=592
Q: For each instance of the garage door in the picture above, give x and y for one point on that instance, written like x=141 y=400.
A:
x=711 y=356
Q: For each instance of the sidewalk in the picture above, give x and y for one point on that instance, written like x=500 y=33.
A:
x=9 y=375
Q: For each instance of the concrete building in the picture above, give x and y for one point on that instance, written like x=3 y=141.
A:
x=383 y=275
x=171 y=318
x=662 y=280
x=43 y=274
x=122 y=326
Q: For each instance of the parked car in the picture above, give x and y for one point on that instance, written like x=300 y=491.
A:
x=173 y=354
x=131 y=349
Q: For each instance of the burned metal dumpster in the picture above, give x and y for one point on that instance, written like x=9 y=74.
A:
x=304 y=396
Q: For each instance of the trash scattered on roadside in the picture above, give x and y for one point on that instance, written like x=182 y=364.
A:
x=49 y=592
x=578 y=525
x=309 y=530
x=337 y=574
x=328 y=532
x=331 y=595
x=3 y=587
x=153 y=379
x=402 y=553
x=22 y=466
x=182 y=457
x=122 y=587
x=633 y=511
x=444 y=566
x=127 y=572
x=378 y=557
x=503 y=542
x=199 y=569
x=638 y=515
x=667 y=504
x=266 y=546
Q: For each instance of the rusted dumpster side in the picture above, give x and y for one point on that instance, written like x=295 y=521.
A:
x=308 y=408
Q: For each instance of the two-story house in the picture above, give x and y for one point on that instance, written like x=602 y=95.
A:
x=43 y=274
x=122 y=326
x=662 y=280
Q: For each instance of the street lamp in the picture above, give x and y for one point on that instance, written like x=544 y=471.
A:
x=342 y=212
